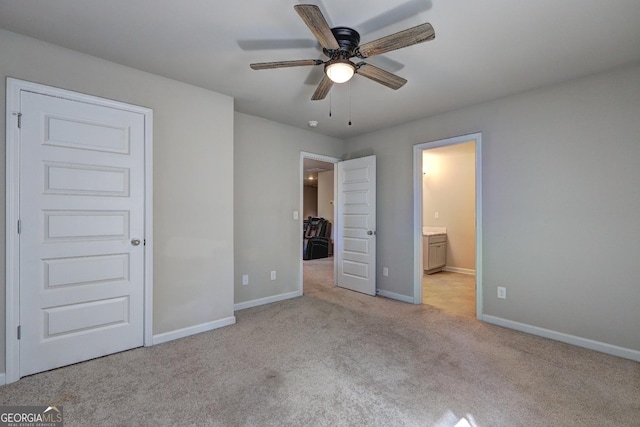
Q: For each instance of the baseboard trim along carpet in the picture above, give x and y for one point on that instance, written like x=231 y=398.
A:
x=192 y=330
x=393 y=295
x=3 y=379
x=613 y=350
x=266 y=300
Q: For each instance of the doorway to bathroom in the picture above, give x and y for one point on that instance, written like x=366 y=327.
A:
x=447 y=199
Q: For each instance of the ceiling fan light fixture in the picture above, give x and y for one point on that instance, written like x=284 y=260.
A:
x=340 y=70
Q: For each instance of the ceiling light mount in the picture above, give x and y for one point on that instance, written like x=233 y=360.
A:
x=348 y=39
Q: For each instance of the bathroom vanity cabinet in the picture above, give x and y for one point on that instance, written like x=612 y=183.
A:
x=434 y=252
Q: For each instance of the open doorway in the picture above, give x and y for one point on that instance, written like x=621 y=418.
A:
x=448 y=228
x=317 y=222
x=447 y=222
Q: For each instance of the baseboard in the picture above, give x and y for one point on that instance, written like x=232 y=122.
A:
x=468 y=271
x=266 y=300
x=613 y=350
x=393 y=295
x=192 y=330
x=3 y=379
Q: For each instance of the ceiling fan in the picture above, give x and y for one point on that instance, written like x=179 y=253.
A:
x=341 y=44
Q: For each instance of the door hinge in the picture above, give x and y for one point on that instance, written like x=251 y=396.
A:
x=19 y=331
x=19 y=226
x=19 y=120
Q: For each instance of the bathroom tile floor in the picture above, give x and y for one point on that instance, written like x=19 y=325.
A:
x=450 y=292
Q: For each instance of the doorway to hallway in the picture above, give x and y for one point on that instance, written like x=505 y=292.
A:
x=317 y=202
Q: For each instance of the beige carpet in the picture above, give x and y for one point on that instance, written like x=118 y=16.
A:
x=338 y=358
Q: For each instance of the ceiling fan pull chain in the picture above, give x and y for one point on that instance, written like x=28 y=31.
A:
x=349 y=103
x=329 y=104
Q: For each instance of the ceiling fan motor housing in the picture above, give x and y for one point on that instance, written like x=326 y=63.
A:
x=348 y=39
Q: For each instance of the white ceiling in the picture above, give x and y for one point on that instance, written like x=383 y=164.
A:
x=483 y=49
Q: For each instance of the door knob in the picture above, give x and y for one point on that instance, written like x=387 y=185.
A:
x=135 y=242
x=370 y=233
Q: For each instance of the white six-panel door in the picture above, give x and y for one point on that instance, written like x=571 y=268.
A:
x=81 y=231
x=356 y=237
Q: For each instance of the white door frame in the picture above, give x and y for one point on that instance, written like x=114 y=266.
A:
x=327 y=159
x=417 y=213
x=14 y=87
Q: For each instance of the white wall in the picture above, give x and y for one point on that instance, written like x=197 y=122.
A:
x=193 y=170
x=310 y=202
x=560 y=203
x=267 y=190
x=325 y=195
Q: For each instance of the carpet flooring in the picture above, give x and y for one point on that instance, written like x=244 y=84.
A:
x=338 y=358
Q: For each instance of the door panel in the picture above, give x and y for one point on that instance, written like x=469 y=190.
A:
x=81 y=204
x=356 y=237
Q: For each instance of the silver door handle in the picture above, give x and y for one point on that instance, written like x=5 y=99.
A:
x=371 y=233
x=135 y=242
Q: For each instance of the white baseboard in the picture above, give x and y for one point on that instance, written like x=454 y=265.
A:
x=613 y=350
x=393 y=295
x=192 y=330
x=3 y=379
x=460 y=270
x=266 y=300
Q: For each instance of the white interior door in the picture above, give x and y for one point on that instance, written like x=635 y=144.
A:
x=356 y=236
x=81 y=231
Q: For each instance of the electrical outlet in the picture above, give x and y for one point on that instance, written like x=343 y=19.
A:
x=245 y=279
x=385 y=271
x=295 y=215
x=273 y=275
x=436 y=215
x=502 y=292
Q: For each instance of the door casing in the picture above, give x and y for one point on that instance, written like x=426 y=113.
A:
x=12 y=302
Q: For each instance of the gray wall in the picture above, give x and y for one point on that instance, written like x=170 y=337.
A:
x=561 y=181
x=267 y=190
x=193 y=172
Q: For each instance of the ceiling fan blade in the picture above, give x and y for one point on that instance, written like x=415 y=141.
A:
x=381 y=76
x=313 y=17
x=284 y=64
x=323 y=89
x=405 y=38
